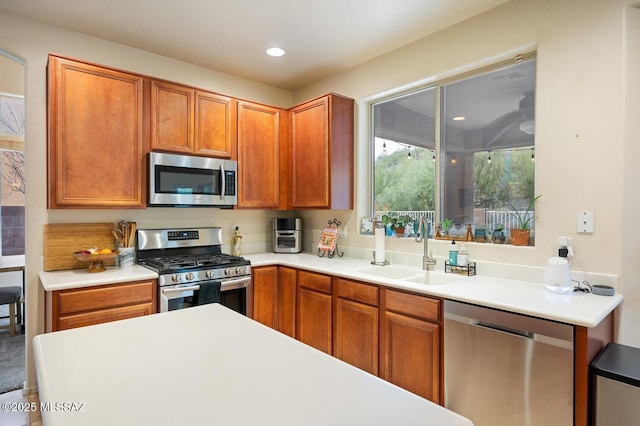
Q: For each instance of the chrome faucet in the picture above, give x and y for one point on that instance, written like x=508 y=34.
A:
x=423 y=235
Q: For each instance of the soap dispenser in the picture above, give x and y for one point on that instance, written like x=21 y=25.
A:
x=453 y=253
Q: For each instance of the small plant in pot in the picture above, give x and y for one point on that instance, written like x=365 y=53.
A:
x=401 y=223
x=520 y=235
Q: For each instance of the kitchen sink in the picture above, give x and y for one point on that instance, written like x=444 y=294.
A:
x=433 y=278
x=392 y=272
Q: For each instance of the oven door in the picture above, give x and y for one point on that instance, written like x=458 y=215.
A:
x=235 y=293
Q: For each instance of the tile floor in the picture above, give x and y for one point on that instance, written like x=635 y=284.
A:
x=16 y=399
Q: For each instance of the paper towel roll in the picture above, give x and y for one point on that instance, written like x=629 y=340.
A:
x=379 y=236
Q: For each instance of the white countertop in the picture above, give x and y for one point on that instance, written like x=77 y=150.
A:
x=78 y=278
x=175 y=368
x=524 y=297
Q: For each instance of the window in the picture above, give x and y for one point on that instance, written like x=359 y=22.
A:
x=462 y=148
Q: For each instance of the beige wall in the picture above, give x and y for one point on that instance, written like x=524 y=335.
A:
x=584 y=131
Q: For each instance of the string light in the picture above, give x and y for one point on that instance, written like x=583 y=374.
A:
x=433 y=156
x=384 y=145
x=453 y=160
x=409 y=154
x=533 y=156
x=489 y=159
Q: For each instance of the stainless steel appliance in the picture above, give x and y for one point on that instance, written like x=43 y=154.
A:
x=287 y=235
x=183 y=180
x=185 y=259
x=507 y=369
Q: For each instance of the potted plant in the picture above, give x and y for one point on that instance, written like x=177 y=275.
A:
x=446 y=224
x=401 y=223
x=520 y=235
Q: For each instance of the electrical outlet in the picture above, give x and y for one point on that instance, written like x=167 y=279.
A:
x=565 y=243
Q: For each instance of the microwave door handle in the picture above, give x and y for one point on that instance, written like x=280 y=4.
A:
x=222 y=182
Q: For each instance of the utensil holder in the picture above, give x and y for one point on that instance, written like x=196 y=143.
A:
x=126 y=256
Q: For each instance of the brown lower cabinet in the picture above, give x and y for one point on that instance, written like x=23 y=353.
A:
x=274 y=297
x=314 y=311
x=80 y=307
x=356 y=324
x=393 y=334
x=411 y=344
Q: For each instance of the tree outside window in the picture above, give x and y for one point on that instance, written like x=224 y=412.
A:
x=485 y=148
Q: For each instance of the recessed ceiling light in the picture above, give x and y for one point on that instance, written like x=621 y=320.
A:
x=459 y=118
x=275 y=51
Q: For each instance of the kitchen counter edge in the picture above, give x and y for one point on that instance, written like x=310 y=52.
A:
x=522 y=297
x=79 y=278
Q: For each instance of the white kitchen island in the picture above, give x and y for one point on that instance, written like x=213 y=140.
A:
x=210 y=365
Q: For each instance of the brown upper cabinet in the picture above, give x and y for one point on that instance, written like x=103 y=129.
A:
x=259 y=163
x=322 y=153
x=96 y=144
x=189 y=121
x=103 y=122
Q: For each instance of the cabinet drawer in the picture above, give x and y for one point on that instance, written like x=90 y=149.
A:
x=359 y=292
x=109 y=296
x=318 y=282
x=107 y=315
x=414 y=305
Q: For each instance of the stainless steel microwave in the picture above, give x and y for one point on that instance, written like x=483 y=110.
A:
x=184 y=180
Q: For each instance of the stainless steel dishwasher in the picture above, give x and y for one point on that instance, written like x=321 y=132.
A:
x=507 y=369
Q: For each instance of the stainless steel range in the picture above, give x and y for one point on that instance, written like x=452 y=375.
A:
x=188 y=259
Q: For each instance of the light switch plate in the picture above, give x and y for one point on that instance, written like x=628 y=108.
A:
x=585 y=222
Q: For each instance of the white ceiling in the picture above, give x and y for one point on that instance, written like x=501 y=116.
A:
x=321 y=37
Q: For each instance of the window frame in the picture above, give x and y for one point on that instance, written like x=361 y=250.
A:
x=437 y=85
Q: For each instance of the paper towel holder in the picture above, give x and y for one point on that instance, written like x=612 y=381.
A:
x=379 y=226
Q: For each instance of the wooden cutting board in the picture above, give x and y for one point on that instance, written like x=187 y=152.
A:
x=61 y=240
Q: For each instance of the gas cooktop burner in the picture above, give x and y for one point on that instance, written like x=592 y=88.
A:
x=193 y=262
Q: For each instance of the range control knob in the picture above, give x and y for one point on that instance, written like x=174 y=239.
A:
x=228 y=271
x=175 y=278
x=239 y=270
x=209 y=274
x=189 y=276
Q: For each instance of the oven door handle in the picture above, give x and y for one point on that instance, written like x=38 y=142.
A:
x=235 y=283
x=224 y=285
x=180 y=289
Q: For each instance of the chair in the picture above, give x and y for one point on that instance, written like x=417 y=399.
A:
x=11 y=296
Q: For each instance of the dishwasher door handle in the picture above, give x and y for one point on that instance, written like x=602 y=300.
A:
x=496 y=327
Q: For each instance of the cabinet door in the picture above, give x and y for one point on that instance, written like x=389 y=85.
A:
x=322 y=153
x=411 y=349
x=265 y=293
x=96 y=139
x=314 y=311
x=356 y=334
x=410 y=355
x=287 y=280
x=355 y=338
x=215 y=125
x=310 y=154
x=172 y=117
x=258 y=156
